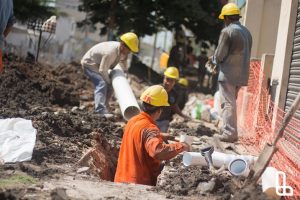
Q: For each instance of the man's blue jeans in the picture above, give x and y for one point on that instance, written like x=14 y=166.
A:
x=101 y=90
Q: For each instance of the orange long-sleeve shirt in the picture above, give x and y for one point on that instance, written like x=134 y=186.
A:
x=142 y=151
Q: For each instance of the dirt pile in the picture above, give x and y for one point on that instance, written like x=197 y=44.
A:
x=25 y=85
x=59 y=101
x=63 y=137
x=50 y=97
x=198 y=182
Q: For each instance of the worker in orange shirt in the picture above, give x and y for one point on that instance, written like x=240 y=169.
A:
x=142 y=148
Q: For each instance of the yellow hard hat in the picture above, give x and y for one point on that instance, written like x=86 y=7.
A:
x=155 y=95
x=229 y=9
x=172 y=72
x=131 y=40
x=163 y=60
x=184 y=82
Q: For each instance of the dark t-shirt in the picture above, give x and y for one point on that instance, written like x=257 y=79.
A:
x=168 y=111
x=202 y=59
x=176 y=56
x=182 y=95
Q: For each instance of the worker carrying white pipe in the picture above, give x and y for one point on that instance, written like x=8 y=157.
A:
x=142 y=148
x=100 y=59
x=232 y=57
x=171 y=76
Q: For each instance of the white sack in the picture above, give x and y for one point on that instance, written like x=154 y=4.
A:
x=17 y=140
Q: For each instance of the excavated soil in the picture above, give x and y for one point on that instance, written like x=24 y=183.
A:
x=59 y=101
x=199 y=183
x=51 y=99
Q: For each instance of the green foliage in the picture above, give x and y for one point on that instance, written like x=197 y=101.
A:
x=33 y=9
x=150 y=16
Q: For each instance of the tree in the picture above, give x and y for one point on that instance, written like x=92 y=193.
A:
x=33 y=9
x=150 y=16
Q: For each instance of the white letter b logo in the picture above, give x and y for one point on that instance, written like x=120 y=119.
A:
x=282 y=190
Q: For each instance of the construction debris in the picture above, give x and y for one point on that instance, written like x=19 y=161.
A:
x=77 y=148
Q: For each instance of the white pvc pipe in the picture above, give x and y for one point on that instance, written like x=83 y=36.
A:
x=268 y=180
x=239 y=167
x=127 y=101
x=219 y=159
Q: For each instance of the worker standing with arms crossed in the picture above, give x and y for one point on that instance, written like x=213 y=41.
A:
x=142 y=148
x=7 y=21
x=232 y=57
x=100 y=59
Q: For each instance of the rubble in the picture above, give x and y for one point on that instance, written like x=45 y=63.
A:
x=77 y=149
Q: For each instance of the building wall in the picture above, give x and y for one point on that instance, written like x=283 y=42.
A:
x=65 y=29
x=17 y=42
x=284 y=45
x=70 y=8
x=269 y=27
x=75 y=41
x=261 y=18
x=69 y=42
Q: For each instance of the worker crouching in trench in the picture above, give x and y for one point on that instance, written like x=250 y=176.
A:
x=143 y=148
x=171 y=75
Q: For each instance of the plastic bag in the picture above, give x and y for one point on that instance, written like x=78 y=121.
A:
x=17 y=140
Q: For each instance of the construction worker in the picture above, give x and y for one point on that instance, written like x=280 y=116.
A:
x=7 y=20
x=100 y=59
x=182 y=91
x=171 y=76
x=176 y=57
x=142 y=148
x=232 y=57
x=202 y=59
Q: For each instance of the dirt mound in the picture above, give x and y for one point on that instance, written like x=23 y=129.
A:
x=199 y=131
x=63 y=136
x=25 y=85
x=197 y=181
x=72 y=73
x=55 y=100
x=47 y=96
x=11 y=194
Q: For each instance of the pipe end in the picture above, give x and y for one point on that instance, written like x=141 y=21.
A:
x=130 y=111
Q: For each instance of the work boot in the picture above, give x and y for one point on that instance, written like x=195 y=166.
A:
x=226 y=138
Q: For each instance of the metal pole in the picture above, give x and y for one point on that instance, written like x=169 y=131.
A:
x=165 y=41
x=38 y=47
x=153 y=58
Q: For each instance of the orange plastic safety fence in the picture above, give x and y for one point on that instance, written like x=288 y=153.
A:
x=257 y=127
